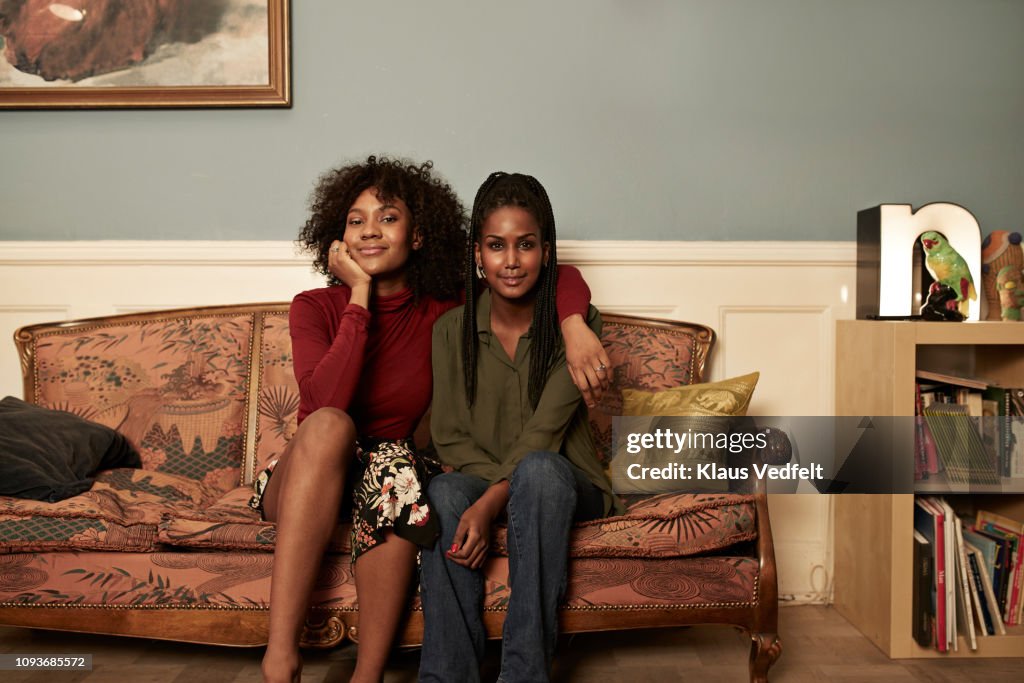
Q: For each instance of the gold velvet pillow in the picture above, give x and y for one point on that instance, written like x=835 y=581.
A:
x=692 y=408
x=728 y=397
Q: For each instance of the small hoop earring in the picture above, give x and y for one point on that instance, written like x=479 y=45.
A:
x=480 y=272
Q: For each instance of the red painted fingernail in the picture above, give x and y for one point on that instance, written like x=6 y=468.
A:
x=455 y=547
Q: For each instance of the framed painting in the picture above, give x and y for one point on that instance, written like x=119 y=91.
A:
x=144 y=53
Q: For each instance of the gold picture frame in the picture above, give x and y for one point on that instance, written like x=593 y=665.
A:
x=65 y=94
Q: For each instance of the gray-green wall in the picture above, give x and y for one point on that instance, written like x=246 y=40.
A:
x=690 y=120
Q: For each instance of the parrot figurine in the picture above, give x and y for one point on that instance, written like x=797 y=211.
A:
x=948 y=268
x=1011 y=292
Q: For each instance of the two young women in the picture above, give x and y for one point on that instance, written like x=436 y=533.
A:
x=390 y=238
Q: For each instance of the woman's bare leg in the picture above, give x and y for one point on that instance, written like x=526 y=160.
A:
x=303 y=497
x=383 y=575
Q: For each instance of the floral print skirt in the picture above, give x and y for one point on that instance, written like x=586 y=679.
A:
x=388 y=493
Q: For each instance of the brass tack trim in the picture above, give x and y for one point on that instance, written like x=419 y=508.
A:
x=250 y=415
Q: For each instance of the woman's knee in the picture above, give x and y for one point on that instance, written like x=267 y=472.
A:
x=448 y=496
x=543 y=469
x=327 y=434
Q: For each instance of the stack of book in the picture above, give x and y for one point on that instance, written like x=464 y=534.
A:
x=969 y=429
x=968 y=575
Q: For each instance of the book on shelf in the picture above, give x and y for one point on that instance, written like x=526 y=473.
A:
x=961 y=451
x=927 y=457
x=961 y=584
x=921 y=470
x=929 y=523
x=956 y=565
x=1000 y=568
x=924 y=613
x=1012 y=531
x=988 y=606
x=997 y=415
x=1015 y=425
x=991 y=550
x=955 y=380
x=945 y=572
x=985 y=625
x=1005 y=417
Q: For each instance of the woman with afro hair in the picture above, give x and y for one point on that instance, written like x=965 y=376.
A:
x=389 y=235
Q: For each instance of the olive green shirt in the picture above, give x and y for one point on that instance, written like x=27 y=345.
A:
x=489 y=440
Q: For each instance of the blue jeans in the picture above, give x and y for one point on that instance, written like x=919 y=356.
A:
x=546 y=493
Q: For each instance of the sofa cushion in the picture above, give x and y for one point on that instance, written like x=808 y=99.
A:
x=669 y=525
x=20 y=534
x=230 y=524
x=725 y=398
x=124 y=496
x=709 y=409
x=120 y=511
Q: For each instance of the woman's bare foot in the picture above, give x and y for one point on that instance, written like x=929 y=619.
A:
x=282 y=667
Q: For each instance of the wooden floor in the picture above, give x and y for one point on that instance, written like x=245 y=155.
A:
x=818 y=645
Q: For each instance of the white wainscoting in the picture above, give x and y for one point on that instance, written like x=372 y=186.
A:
x=772 y=303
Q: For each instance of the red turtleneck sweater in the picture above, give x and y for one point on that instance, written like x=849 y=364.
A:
x=375 y=365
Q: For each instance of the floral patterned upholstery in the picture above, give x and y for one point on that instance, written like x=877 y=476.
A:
x=669 y=525
x=678 y=583
x=661 y=526
x=278 y=414
x=32 y=533
x=239 y=580
x=139 y=579
x=122 y=510
x=642 y=357
x=230 y=524
x=175 y=386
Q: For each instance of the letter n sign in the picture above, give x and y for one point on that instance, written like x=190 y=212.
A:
x=886 y=239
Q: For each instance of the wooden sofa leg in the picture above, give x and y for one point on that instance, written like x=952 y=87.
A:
x=323 y=632
x=765 y=648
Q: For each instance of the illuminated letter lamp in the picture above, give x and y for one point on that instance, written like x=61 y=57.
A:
x=886 y=241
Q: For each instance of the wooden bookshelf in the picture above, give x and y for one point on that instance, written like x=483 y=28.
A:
x=876 y=363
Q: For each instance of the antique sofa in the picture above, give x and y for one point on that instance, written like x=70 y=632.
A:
x=172 y=551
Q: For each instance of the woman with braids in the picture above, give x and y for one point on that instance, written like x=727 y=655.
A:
x=508 y=419
x=389 y=236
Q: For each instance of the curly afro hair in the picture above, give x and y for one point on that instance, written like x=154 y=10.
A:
x=436 y=269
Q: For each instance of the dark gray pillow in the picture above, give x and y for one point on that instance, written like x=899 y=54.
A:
x=52 y=455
